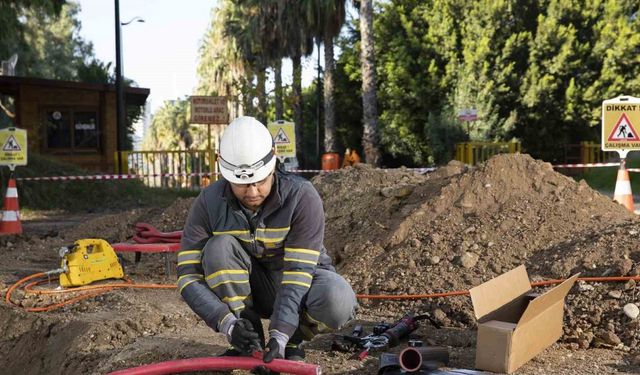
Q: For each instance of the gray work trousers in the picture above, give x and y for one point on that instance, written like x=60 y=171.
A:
x=240 y=281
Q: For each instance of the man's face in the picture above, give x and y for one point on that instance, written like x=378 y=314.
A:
x=253 y=195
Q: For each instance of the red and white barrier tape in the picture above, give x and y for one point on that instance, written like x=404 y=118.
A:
x=587 y=165
x=112 y=176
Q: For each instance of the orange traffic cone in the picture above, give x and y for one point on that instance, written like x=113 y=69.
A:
x=622 y=194
x=10 y=223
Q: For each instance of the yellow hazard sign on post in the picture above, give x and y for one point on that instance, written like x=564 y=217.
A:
x=13 y=147
x=284 y=137
x=620 y=124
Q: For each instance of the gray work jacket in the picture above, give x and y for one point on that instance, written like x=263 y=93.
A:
x=288 y=236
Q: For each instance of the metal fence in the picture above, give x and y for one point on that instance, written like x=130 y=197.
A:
x=182 y=169
x=584 y=152
x=473 y=153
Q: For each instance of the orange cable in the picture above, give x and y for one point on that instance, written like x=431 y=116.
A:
x=94 y=291
x=101 y=289
x=466 y=292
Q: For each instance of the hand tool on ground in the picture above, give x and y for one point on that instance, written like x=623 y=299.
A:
x=387 y=338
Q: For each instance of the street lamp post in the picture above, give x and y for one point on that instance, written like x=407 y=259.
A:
x=120 y=119
x=120 y=105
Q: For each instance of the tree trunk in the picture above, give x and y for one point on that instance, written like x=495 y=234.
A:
x=247 y=97
x=329 y=107
x=262 y=94
x=297 y=106
x=278 y=89
x=369 y=107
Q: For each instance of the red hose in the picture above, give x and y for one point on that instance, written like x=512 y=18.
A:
x=221 y=363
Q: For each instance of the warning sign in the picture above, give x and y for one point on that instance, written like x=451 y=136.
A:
x=209 y=110
x=620 y=121
x=281 y=137
x=284 y=137
x=13 y=146
x=623 y=131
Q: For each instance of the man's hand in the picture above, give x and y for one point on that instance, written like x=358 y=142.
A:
x=273 y=351
x=276 y=345
x=243 y=337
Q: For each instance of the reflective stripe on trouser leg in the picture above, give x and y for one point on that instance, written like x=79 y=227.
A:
x=226 y=268
x=329 y=305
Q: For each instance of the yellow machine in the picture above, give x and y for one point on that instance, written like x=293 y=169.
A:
x=89 y=260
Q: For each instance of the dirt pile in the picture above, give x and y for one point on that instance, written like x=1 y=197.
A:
x=401 y=233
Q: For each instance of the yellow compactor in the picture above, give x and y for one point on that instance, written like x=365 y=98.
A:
x=89 y=260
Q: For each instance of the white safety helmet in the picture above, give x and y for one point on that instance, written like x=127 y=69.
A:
x=246 y=151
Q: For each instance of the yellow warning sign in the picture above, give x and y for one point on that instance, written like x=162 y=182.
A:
x=284 y=137
x=620 y=124
x=13 y=146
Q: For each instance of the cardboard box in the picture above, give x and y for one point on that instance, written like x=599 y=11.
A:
x=514 y=324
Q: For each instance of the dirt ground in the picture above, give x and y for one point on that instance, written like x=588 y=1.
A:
x=389 y=232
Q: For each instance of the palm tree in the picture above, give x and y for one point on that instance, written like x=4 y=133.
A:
x=327 y=18
x=369 y=107
x=298 y=42
x=221 y=68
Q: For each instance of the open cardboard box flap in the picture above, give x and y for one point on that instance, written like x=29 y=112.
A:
x=547 y=299
x=499 y=291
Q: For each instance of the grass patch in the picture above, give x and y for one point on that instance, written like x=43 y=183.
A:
x=82 y=195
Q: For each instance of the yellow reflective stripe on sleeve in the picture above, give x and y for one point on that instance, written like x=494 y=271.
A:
x=227 y=272
x=198 y=275
x=300 y=260
x=303 y=251
x=189 y=262
x=233 y=299
x=297 y=283
x=187 y=252
x=187 y=283
x=238 y=308
x=306 y=274
x=228 y=282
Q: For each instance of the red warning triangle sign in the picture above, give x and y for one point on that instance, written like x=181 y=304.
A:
x=623 y=131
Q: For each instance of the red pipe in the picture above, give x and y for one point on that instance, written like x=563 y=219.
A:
x=221 y=363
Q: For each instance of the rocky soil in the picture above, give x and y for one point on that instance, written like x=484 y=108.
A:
x=390 y=232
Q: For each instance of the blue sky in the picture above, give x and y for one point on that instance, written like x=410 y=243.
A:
x=162 y=53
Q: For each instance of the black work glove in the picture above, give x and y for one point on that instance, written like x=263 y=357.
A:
x=243 y=337
x=273 y=351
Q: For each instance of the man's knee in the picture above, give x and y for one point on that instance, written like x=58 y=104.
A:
x=331 y=300
x=222 y=252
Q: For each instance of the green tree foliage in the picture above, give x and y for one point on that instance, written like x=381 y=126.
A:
x=535 y=70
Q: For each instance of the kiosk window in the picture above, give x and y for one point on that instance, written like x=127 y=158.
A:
x=72 y=130
x=58 y=134
x=85 y=130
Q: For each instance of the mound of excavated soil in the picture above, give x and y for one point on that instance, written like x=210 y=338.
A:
x=397 y=232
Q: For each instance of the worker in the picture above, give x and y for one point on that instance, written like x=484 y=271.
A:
x=252 y=247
